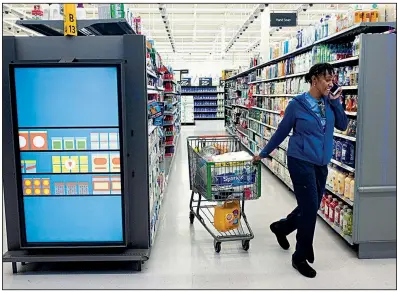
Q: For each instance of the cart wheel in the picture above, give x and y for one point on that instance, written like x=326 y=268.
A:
x=217 y=246
x=191 y=217
x=246 y=245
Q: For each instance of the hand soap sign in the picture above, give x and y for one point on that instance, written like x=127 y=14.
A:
x=186 y=81
x=205 y=81
x=283 y=19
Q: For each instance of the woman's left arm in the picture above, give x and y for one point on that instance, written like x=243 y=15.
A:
x=340 y=115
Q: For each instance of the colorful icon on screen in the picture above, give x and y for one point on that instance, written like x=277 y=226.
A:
x=68 y=143
x=70 y=164
x=38 y=140
x=100 y=185
x=56 y=143
x=23 y=140
x=100 y=163
x=33 y=140
x=28 y=166
x=81 y=143
x=116 y=185
x=36 y=186
x=115 y=163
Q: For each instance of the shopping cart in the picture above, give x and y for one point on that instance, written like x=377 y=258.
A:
x=215 y=183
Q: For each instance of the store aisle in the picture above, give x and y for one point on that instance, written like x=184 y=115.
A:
x=183 y=256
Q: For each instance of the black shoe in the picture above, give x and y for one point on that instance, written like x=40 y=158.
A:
x=282 y=239
x=304 y=268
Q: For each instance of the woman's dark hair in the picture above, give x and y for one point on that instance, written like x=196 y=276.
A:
x=317 y=70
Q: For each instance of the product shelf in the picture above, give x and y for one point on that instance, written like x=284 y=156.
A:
x=205 y=111
x=207 y=99
x=151 y=128
x=85 y=27
x=337 y=229
x=344 y=136
x=240 y=106
x=351 y=113
x=349 y=87
x=150 y=72
x=365 y=27
x=337 y=62
x=275 y=95
x=201 y=93
x=267 y=125
x=209 y=118
x=343 y=198
x=267 y=110
x=344 y=166
x=170 y=80
x=238 y=130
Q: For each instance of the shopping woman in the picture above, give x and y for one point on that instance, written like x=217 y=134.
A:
x=312 y=116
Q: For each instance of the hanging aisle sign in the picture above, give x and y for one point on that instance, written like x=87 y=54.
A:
x=186 y=81
x=69 y=20
x=283 y=19
x=205 y=81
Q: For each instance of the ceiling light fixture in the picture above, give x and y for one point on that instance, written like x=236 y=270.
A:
x=164 y=16
x=254 y=14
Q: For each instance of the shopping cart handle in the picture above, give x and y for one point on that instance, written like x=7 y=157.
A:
x=213 y=136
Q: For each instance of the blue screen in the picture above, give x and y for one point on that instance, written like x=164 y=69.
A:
x=68 y=124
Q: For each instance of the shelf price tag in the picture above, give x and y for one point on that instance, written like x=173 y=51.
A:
x=69 y=20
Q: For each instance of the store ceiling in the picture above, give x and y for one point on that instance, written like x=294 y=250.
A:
x=196 y=28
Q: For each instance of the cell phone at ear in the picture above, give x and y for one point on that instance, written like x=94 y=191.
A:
x=334 y=90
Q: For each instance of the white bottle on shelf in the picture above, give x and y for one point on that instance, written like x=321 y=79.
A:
x=104 y=11
x=390 y=12
x=55 y=12
x=46 y=11
x=80 y=11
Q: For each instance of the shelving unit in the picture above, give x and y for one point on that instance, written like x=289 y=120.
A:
x=142 y=171
x=374 y=224
x=208 y=101
x=172 y=122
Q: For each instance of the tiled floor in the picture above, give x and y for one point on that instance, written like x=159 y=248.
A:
x=183 y=255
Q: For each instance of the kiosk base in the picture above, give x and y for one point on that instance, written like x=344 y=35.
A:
x=136 y=256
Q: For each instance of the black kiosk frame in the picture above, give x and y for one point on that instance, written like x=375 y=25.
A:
x=129 y=51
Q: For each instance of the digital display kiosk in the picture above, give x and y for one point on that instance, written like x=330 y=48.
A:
x=67 y=120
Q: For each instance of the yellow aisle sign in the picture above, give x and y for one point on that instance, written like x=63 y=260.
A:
x=69 y=20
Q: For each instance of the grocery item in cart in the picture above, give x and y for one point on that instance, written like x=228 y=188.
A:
x=209 y=151
x=227 y=216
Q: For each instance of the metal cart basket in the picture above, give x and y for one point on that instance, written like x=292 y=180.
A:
x=216 y=183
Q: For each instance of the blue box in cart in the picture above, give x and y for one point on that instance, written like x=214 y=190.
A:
x=233 y=179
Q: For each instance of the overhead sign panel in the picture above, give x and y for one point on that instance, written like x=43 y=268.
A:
x=283 y=19
x=186 y=81
x=205 y=81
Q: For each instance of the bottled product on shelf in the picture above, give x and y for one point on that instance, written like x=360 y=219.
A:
x=335 y=23
x=347 y=224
